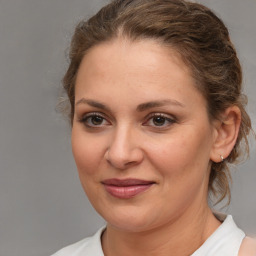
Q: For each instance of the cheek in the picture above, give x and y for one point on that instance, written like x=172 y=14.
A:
x=86 y=151
x=182 y=152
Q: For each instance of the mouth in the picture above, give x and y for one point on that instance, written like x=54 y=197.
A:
x=127 y=188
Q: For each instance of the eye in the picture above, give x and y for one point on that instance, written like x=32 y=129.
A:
x=94 y=120
x=159 y=120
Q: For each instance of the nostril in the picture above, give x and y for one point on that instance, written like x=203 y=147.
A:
x=130 y=163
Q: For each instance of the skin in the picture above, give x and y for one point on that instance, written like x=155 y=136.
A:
x=126 y=141
x=248 y=247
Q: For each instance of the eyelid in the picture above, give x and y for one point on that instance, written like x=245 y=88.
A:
x=156 y=114
x=171 y=119
x=88 y=115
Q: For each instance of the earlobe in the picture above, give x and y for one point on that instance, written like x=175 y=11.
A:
x=226 y=133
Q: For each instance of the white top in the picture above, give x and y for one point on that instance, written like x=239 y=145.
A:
x=225 y=241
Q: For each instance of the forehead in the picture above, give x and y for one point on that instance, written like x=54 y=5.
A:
x=141 y=67
x=144 y=52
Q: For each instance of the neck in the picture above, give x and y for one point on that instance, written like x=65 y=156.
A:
x=180 y=237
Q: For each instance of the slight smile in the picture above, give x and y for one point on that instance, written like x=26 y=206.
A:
x=127 y=188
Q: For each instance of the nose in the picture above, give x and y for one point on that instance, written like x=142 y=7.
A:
x=124 y=149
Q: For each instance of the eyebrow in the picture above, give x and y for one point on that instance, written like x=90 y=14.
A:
x=92 y=103
x=158 y=103
x=140 y=108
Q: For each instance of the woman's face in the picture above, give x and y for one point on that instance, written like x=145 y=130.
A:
x=141 y=137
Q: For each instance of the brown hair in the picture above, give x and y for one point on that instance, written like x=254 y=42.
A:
x=201 y=39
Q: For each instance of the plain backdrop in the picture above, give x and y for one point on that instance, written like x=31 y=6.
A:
x=42 y=206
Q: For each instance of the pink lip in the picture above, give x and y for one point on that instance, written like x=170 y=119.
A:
x=127 y=188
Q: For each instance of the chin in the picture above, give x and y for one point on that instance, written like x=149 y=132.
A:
x=131 y=219
x=131 y=226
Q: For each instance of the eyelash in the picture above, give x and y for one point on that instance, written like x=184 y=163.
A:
x=165 y=117
x=87 y=120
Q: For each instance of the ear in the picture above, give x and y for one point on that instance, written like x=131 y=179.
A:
x=226 y=132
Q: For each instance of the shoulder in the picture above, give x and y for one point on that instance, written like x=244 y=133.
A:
x=87 y=246
x=248 y=247
x=68 y=250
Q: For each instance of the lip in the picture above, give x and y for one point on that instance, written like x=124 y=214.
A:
x=126 y=188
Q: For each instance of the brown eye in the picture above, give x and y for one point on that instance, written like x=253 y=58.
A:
x=97 y=120
x=159 y=120
x=94 y=120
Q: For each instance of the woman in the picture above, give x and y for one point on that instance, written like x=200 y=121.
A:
x=157 y=114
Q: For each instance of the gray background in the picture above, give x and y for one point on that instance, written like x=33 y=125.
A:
x=42 y=206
